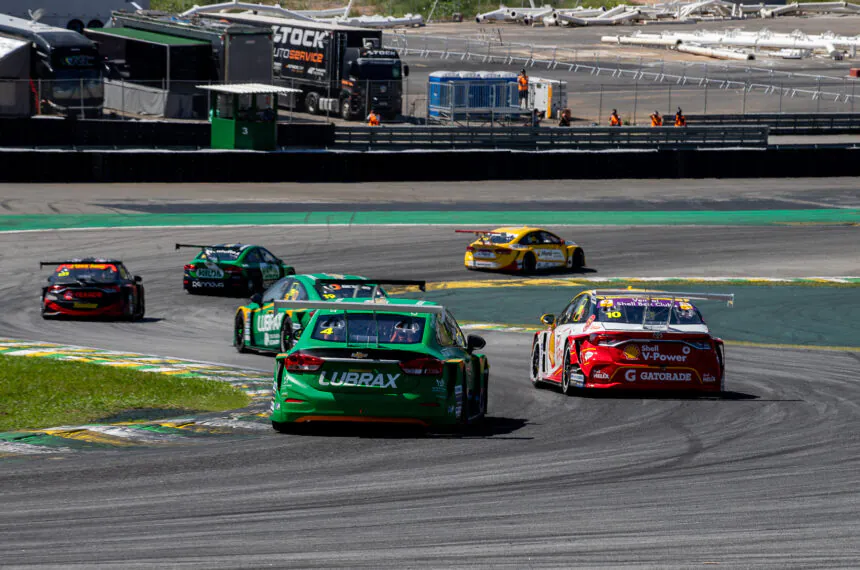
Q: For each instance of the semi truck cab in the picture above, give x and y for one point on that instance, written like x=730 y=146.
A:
x=372 y=80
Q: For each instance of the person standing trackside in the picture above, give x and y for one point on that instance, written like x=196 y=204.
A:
x=564 y=118
x=614 y=119
x=680 y=119
x=523 y=87
x=373 y=119
x=656 y=119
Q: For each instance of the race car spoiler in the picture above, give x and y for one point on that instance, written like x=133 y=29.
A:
x=477 y=232
x=368 y=307
x=179 y=245
x=87 y=260
x=729 y=298
x=422 y=285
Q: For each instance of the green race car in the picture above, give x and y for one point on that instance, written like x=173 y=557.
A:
x=232 y=268
x=383 y=360
x=258 y=326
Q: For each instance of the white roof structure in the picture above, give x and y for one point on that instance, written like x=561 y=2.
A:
x=8 y=45
x=249 y=89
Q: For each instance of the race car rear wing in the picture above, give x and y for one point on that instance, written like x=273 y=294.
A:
x=474 y=231
x=86 y=260
x=422 y=285
x=179 y=245
x=729 y=298
x=368 y=307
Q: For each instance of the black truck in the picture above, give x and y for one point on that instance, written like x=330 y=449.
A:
x=339 y=69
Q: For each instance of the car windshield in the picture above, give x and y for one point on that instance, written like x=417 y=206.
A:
x=378 y=69
x=498 y=238
x=221 y=253
x=330 y=291
x=369 y=328
x=642 y=310
x=86 y=273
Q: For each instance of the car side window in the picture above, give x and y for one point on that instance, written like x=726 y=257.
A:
x=530 y=239
x=580 y=313
x=252 y=256
x=276 y=291
x=454 y=330
x=567 y=314
x=443 y=335
x=123 y=272
x=296 y=292
x=548 y=238
x=267 y=256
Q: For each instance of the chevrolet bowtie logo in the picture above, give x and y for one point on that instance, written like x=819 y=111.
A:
x=359 y=355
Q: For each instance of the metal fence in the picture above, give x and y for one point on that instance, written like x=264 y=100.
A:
x=597 y=82
x=525 y=138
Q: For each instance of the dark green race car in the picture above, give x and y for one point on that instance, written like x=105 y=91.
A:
x=258 y=326
x=383 y=360
x=234 y=268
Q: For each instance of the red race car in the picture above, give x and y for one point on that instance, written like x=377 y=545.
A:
x=630 y=340
x=92 y=288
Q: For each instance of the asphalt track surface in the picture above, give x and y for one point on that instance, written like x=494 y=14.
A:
x=767 y=477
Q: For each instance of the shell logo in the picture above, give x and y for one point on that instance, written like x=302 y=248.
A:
x=631 y=351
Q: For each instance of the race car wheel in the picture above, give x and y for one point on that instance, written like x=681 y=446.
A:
x=577 y=260
x=485 y=395
x=535 y=367
x=251 y=287
x=140 y=310
x=529 y=263
x=239 y=334
x=286 y=334
x=312 y=103
x=345 y=110
x=283 y=427
x=566 y=372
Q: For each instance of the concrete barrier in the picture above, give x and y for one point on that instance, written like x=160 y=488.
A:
x=65 y=133
x=324 y=166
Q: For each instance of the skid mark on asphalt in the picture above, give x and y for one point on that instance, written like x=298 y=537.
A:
x=65 y=439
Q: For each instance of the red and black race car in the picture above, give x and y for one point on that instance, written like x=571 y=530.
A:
x=624 y=339
x=92 y=288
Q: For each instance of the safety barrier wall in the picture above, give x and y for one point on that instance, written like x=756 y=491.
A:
x=60 y=133
x=327 y=166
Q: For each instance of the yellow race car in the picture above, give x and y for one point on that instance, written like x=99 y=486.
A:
x=521 y=249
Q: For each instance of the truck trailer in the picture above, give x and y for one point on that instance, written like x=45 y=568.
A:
x=240 y=54
x=338 y=68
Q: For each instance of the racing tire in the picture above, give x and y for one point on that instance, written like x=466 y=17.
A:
x=312 y=103
x=286 y=339
x=485 y=395
x=463 y=420
x=239 y=334
x=283 y=427
x=534 y=371
x=577 y=260
x=141 y=308
x=345 y=110
x=251 y=287
x=567 y=370
x=529 y=263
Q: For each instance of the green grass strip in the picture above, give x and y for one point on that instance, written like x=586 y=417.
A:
x=483 y=218
x=38 y=393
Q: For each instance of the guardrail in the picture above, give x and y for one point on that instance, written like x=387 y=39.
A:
x=555 y=138
x=788 y=123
